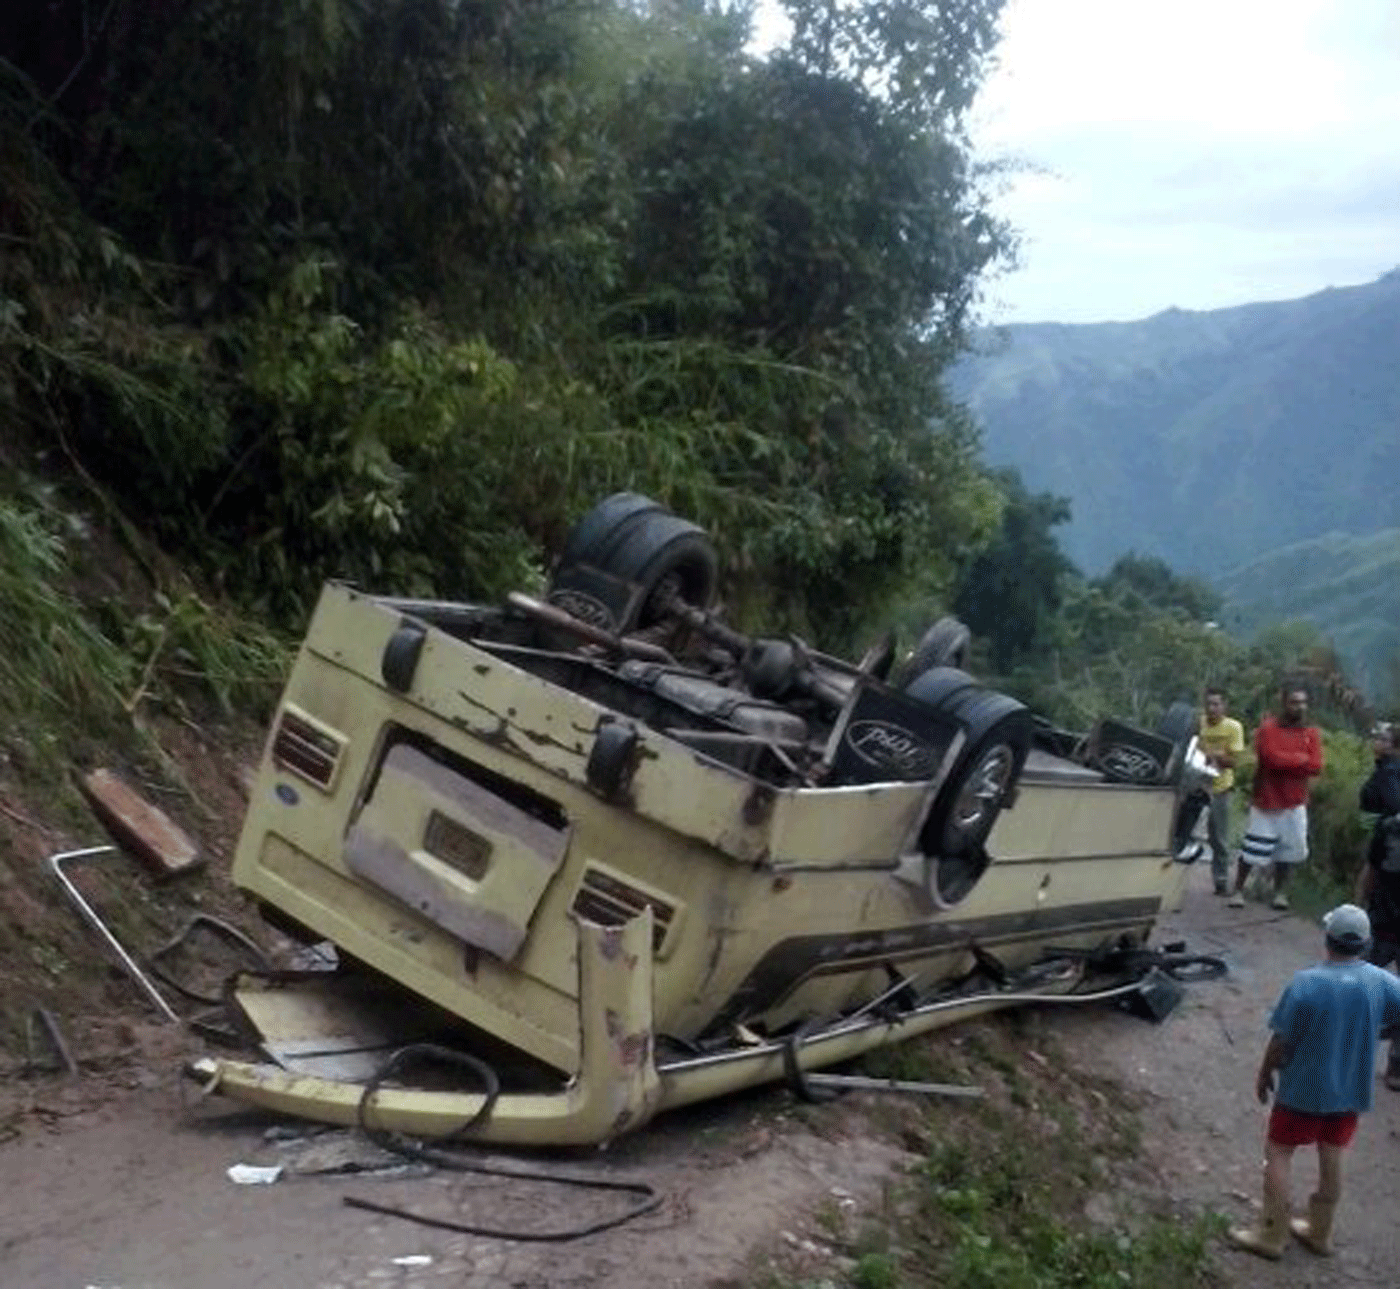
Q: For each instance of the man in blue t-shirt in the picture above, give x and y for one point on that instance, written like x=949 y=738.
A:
x=1322 y=1048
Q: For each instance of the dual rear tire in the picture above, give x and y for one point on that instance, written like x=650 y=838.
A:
x=645 y=554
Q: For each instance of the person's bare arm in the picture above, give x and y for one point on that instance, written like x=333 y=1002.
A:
x=1276 y=1056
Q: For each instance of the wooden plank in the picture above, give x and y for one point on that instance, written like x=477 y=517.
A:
x=141 y=827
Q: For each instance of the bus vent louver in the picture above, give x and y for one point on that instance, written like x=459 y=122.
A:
x=606 y=900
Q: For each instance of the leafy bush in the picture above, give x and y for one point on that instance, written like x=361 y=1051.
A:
x=184 y=645
x=1338 y=831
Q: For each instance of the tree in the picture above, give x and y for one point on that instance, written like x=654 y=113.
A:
x=1151 y=582
x=926 y=57
x=804 y=262
x=414 y=281
x=1014 y=586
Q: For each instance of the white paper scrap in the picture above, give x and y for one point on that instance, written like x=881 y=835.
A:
x=254 y=1174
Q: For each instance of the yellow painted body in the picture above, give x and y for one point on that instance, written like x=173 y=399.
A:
x=449 y=837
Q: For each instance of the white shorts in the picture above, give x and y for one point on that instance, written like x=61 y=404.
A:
x=1275 y=836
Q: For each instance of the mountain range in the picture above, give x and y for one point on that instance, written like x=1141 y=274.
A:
x=1256 y=446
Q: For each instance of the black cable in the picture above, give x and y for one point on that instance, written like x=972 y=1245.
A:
x=400 y=1145
x=797 y=1079
x=491 y=1085
x=522 y=1237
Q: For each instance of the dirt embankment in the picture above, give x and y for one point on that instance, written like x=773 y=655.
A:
x=49 y=959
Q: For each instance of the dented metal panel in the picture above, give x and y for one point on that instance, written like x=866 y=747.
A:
x=615 y=1087
x=491 y=863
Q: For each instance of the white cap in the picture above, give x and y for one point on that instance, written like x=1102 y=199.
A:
x=1348 y=928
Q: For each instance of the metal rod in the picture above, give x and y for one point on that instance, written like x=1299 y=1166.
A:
x=45 y=1021
x=863 y=1082
x=898 y=986
x=845 y=1028
x=554 y=616
x=96 y=923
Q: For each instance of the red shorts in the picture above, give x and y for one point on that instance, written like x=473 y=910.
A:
x=1294 y=1128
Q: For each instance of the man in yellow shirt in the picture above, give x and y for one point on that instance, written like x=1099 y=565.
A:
x=1222 y=740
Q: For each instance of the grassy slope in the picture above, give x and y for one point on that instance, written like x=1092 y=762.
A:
x=175 y=746
x=1349 y=586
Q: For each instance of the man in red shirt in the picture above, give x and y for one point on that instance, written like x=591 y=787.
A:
x=1288 y=754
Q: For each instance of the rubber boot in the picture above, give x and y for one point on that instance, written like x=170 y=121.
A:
x=1270 y=1236
x=1314 y=1232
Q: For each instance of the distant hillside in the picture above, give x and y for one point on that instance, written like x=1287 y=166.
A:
x=1204 y=438
x=1349 y=586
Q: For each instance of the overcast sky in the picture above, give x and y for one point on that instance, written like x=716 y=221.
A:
x=1196 y=153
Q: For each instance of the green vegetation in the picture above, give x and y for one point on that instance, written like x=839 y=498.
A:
x=1255 y=445
x=392 y=292
x=1001 y=1221
x=1346 y=587
x=1039 y=1186
x=77 y=674
x=52 y=659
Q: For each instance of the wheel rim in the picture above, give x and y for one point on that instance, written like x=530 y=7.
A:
x=984 y=787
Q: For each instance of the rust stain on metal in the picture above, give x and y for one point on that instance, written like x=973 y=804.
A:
x=138 y=825
x=504 y=732
x=758 y=805
x=634 y=1049
x=610 y=948
x=719 y=932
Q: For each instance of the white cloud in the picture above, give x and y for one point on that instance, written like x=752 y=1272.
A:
x=1198 y=153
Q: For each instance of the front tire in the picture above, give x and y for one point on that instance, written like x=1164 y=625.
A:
x=944 y=644
x=982 y=781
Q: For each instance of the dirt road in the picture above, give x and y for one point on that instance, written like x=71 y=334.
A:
x=1204 y=1128
x=130 y=1191
x=135 y=1195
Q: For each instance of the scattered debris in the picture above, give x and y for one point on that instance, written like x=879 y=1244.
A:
x=10 y=813
x=56 y=863
x=41 y=1018
x=342 y=1152
x=230 y=935
x=254 y=1174
x=413 y=1260
x=866 y=1083
x=135 y=823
